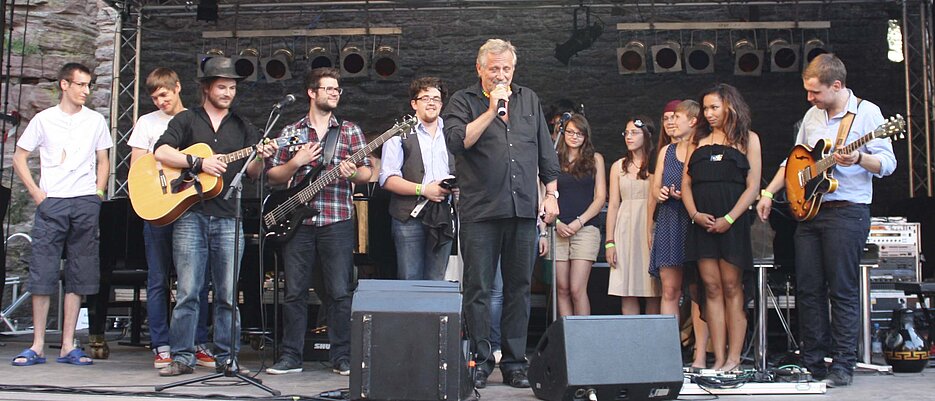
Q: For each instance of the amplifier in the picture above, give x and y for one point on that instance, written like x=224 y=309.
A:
x=900 y=246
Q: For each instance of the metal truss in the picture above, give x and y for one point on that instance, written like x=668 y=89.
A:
x=124 y=93
x=917 y=48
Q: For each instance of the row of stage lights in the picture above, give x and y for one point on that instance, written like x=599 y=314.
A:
x=698 y=58
x=352 y=61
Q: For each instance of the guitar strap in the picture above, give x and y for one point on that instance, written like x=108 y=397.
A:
x=331 y=143
x=845 y=126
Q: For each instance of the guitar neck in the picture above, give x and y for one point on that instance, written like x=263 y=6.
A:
x=236 y=155
x=329 y=176
x=828 y=162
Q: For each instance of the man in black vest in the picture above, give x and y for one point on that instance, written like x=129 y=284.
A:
x=413 y=169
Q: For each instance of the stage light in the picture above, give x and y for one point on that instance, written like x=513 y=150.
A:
x=667 y=57
x=631 y=59
x=783 y=56
x=580 y=39
x=894 y=40
x=276 y=67
x=353 y=63
x=246 y=63
x=385 y=63
x=814 y=48
x=699 y=59
x=203 y=58
x=747 y=59
x=319 y=57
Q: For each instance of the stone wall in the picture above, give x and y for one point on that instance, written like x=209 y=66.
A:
x=46 y=35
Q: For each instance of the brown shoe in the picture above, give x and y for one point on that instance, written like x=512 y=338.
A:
x=176 y=368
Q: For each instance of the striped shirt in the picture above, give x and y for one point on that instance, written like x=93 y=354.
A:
x=334 y=202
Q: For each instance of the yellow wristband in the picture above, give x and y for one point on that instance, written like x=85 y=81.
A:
x=766 y=194
x=729 y=219
x=609 y=245
x=100 y=193
x=418 y=189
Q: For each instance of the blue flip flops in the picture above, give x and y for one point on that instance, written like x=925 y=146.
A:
x=32 y=358
x=74 y=358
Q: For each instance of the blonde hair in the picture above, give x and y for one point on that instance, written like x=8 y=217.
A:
x=161 y=78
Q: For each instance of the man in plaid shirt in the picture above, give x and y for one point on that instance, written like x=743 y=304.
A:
x=325 y=241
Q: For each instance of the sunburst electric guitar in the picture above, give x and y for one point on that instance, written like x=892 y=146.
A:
x=286 y=209
x=807 y=180
x=150 y=183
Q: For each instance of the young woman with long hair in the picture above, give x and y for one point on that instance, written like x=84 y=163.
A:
x=720 y=181
x=628 y=216
x=583 y=189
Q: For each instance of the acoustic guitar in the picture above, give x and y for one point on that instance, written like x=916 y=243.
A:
x=150 y=183
x=286 y=209
x=808 y=180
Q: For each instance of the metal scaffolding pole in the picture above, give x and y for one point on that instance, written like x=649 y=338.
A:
x=917 y=48
x=124 y=105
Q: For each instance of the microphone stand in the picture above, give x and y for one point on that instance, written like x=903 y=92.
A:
x=235 y=190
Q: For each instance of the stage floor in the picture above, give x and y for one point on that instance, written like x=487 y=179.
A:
x=129 y=370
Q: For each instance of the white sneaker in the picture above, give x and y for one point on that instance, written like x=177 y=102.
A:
x=497 y=355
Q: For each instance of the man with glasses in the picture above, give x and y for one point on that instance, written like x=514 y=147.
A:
x=72 y=142
x=501 y=153
x=413 y=169
x=325 y=241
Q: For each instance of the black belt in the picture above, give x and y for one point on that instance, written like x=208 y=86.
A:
x=837 y=204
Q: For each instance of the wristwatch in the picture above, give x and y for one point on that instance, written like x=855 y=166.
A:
x=552 y=193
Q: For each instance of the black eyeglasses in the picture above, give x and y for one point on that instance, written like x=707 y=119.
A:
x=331 y=89
x=430 y=99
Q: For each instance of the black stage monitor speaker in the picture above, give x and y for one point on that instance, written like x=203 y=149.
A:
x=616 y=357
x=406 y=342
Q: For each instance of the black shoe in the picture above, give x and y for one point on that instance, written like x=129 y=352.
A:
x=284 y=366
x=516 y=378
x=838 y=378
x=480 y=379
x=343 y=368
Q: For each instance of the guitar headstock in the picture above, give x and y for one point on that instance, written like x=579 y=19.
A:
x=895 y=127
x=404 y=127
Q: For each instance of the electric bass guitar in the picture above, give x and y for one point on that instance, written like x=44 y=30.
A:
x=286 y=209
x=150 y=183
x=808 y=180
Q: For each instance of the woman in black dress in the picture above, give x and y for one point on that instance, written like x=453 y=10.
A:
x=720 y=182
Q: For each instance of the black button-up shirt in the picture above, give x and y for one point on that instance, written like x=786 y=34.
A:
x=497 y=175
x=194 y=126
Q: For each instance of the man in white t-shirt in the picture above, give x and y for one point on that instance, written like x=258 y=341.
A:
x=72 y=141
x=164 y=89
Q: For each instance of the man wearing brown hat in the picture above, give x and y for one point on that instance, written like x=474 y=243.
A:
x=203 y=240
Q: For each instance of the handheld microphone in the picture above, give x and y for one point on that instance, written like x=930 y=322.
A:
x=289 y=99
x=501 y=104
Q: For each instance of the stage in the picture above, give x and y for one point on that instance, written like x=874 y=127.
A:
x=129 y=370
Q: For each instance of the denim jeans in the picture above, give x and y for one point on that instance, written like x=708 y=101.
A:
x=415 y=258
x=496 y=309
x=827 y=267
x=512 y=242
x=332 y=249
x=158 y=245
x=205 y=244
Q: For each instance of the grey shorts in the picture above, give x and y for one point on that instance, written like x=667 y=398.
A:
x=71 y=223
